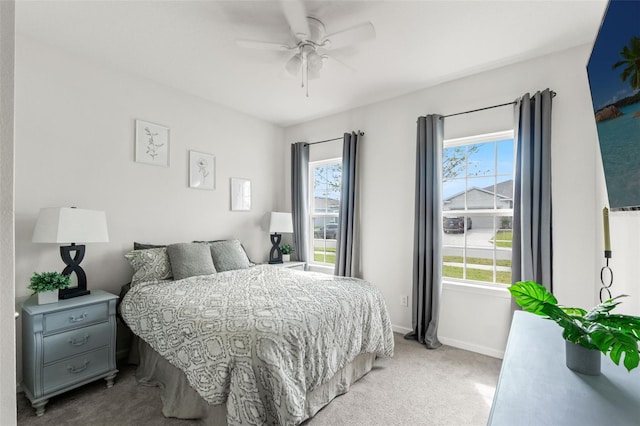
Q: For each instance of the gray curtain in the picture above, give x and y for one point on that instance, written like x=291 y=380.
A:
x=300 y=198
x=532 y=228
x=427 y=246
x=345 y=244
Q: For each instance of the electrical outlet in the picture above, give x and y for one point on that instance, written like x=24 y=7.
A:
x=404 y=300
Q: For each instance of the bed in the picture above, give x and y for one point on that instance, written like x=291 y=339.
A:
x=256 y=344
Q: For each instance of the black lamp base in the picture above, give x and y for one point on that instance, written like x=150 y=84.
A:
x=68 y=293
x=73 y=265
x=275 y=255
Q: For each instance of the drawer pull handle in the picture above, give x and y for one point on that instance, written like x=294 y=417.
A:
x=73 y=369
x=74 y=318
x=79 y=342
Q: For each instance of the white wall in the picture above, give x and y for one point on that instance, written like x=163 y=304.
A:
x=7 y=289
x=477 y=320
x=625 y=247
x=74 y=147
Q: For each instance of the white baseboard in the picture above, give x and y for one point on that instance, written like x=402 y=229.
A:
x=484 y=350
x=401 y=330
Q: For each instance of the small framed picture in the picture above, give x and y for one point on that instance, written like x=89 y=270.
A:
x=240 y=194
x=202 y=170
x=151 y=144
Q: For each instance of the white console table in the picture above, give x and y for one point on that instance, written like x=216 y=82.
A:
x=537 y=388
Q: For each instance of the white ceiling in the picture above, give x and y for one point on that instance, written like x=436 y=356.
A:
x=190 y=45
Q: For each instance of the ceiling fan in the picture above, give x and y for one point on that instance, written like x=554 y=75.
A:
x=310 y=43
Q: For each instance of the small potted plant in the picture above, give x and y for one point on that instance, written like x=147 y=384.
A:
x=47 y=284
x=586 y=333
x=286 y=252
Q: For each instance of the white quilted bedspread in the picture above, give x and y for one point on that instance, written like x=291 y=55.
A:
x=259 y=339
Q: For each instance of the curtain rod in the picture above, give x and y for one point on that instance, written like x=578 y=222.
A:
x=361 y=133
x=553 y=95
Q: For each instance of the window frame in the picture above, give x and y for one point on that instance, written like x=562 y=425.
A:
x=313 y=215
x=465 y=212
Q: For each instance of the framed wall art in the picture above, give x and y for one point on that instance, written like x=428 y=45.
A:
x=151 y=144
x=614 y=80
x=202 y=170
x=240 y=194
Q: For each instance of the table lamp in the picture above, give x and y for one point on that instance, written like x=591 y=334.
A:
x=69 y=225
x=280 y=223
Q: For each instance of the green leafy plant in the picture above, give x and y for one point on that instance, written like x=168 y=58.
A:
x=48 y=281
x=598 y=328
x=286 y=249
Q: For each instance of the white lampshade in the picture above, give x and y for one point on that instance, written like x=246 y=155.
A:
x=281 y=223
x=70 y=225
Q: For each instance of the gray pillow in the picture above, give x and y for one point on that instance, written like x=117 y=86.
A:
x=144 y=246
x=229 y=255
x=190 y=260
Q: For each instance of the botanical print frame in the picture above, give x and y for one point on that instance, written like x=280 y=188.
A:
x=151 y=144
x=202 y=170
x=240 y=194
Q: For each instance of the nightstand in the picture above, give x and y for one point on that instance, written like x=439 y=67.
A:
x=67 y=344
x=300 y=266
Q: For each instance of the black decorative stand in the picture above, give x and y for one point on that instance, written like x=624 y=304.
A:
x=275 y=255
x=73 y=265
x=606 y=278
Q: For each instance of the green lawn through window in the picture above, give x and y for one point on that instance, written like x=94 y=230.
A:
x=503 y=238
x=476 y=274
x=324 y=255
x=477 y=261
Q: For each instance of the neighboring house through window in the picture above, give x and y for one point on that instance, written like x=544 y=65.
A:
x=477 y=208
x=325 y=178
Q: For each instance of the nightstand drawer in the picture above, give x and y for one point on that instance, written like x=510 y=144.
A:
x=73 y=318
x=76 y=369
x=74 y=342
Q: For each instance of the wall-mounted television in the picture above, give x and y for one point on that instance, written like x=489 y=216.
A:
x=614 y=79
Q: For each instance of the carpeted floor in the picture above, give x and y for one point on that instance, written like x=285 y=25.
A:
x=417 y=386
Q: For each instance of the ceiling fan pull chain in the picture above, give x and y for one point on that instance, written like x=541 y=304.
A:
x=306 y=76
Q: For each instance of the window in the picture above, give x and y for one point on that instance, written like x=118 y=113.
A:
x=477 y=208
x=325 y=179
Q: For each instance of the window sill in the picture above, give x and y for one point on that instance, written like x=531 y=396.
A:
x=493 y=290
x=320 y=268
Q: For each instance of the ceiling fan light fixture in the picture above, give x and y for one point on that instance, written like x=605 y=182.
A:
x=314 y=61
x=311 y=41
x=294 y=64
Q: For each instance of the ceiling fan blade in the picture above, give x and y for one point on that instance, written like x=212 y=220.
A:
x=357 y=34
x=334 y=60
x=296 y=15
x=264 y=45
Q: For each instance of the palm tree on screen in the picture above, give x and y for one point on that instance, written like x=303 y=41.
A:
x=631 y=61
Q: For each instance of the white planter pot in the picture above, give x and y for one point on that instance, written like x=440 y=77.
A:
x=45 y=297
x=286 y=258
